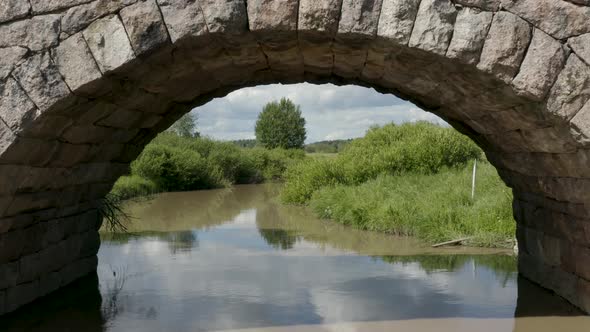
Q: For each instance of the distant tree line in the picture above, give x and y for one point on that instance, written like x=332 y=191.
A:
x=333 y=146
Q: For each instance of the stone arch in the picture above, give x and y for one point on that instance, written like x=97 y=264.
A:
x=85 y=84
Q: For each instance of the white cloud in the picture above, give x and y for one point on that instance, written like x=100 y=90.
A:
x=331 y=112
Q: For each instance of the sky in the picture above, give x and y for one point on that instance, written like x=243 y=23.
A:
x=331 y=112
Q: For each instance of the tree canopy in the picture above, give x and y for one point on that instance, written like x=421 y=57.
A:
x=280 y=125
x=185 y=126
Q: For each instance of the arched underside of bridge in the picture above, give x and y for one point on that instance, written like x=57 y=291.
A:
x=84 y=85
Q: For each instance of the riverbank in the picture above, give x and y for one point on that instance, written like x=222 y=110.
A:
x=410 y=180
x=414 y=180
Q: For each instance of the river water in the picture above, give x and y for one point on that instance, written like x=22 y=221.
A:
x=236 y=259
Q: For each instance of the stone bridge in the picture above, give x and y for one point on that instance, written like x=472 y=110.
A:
x=86 y=84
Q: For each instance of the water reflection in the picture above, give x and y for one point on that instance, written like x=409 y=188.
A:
x=235 y=259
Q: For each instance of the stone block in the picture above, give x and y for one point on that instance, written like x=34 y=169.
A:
x=571 y=90
x=8 y=275
x=122 y=119
x=184 y=19
x=75 y=19
x=273 y=15
x=68 y=155
x=11 y=245
x=559 y=19
x=581 y=46
x=581 y=123
x=78 y=269
x=582 y=261
x=319 y=16
x=41 y=80
x=36 y=33
x=12 y=10
x=488 y=5
x=21 y=294
x=43 y=6
x=228 y=17
x=471 y=29
x=49 y=283
x=76 y=64
x=16 y=109
x=145 y=27
x=30 y=268
x=434 y=26
x=397 y=20
x=505 y=46
x=109 y=44
x=544 y=60
x=9 y=58
x=359 y=18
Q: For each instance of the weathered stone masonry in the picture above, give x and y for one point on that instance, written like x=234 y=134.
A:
x=85 y=84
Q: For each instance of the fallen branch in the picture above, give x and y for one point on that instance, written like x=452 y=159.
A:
x=452 y=242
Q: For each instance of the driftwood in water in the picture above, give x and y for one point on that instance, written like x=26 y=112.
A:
x=452 y=242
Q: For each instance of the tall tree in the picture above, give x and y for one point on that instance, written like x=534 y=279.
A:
x=186 y=126
x=280 y=125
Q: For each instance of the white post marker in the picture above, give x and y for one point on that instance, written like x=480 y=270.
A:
x=473 y=179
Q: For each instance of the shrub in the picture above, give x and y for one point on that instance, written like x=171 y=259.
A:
x=420 y=148
x=177 y=168
x=132 y=186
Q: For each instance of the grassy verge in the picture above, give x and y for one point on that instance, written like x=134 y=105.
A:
x=413 y=179
x=435 y=207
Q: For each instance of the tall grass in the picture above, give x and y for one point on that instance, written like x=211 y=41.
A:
x=421 y=148
x=433 y=207
x=412 y=179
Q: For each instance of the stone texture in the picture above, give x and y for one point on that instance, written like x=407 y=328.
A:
x=581 y=46
x=319 y=15
x=581 y=122
x=13 y=9
x=9 y=58
x=571 y=90
x=75 y=63
x=471 y=29
x=55 y=166
x=227 y=16
x=359 y=17
x=544 y=60
x=433 y=28
x=397 y=20
x=43 y=6
x=144 y=26
x=39 y=77
x=488 y=5
x=77 y=18
x=37 y=33
x=505 y=46
x=559 y=19
x=184 y=19
x=16 y=109
x=109 y=44
x=275 y=15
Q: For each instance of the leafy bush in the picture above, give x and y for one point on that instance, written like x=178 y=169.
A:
x=177 y=168
x=174 y=163
x=133 y=186
x=420 y=148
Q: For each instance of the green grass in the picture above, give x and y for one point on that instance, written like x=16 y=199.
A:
x=133 y=186
x=420 y=148
x=432 y=207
